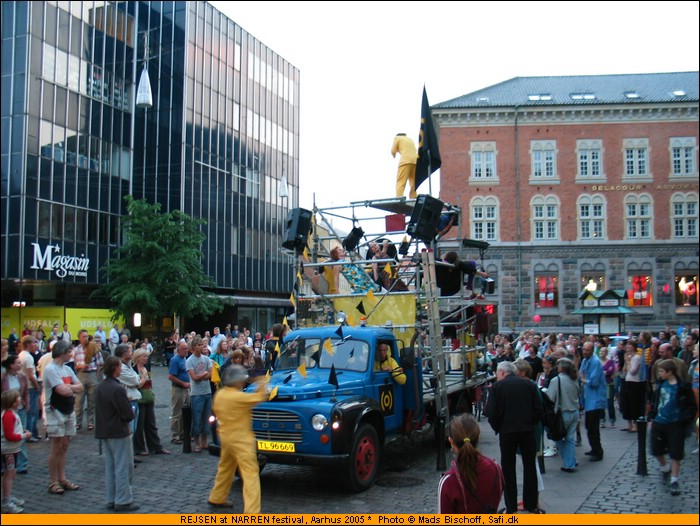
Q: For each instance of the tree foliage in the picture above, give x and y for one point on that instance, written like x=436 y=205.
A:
x=158 y=269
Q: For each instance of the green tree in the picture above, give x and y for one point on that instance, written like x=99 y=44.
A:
x=158 y=269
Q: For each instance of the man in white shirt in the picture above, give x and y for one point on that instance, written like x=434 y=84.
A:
x=100 y=333
x=114 y=338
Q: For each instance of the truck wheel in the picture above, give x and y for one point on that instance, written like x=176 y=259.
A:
x=364 y=459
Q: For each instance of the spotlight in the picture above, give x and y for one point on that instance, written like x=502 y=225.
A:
x=353 y=238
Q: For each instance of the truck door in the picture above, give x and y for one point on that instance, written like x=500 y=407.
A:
x=388 y=393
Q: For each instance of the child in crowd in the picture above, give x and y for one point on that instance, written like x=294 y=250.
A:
x=12 y=437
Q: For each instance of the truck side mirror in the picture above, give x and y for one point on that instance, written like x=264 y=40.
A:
x=407 y=357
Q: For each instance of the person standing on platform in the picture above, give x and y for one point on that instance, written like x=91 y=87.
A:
x=407 y=164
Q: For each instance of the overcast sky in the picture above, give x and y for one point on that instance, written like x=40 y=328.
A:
x=363 y=66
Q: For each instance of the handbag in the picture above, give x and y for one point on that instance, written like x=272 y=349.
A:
x=147 y=396
x=553 y=419
x=63 y=404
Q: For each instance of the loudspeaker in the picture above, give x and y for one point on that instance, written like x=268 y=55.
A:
x=298 y=228
x=425 y=218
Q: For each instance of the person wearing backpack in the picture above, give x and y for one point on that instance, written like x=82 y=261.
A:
x=565 y=391
x=474 y=483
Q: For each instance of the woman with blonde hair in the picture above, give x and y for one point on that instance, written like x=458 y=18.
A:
x=146 y=439
x=474 y=483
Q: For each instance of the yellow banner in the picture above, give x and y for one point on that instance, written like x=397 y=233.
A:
x=89 y=319
x=367 y=518
x=16 y=317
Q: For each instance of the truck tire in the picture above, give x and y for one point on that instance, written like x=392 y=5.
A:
x=364 y=459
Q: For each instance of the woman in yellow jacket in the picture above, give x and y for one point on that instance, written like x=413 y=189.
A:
x=233 y=409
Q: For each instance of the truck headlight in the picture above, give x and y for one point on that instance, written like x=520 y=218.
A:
x=319 y=422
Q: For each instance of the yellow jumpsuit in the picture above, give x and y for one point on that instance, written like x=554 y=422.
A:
x=233 y=409
x=390 y=365
x=407 y=164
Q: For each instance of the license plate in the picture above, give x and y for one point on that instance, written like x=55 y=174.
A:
x=284 y=447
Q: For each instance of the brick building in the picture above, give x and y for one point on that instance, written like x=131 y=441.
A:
x=575 y=182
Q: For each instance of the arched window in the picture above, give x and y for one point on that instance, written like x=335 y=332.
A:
x=638 y=216
x=639 y=285
x=684 y=216
x=484 y=218
x=545 y=218
x=591 y=217
x=546 y=286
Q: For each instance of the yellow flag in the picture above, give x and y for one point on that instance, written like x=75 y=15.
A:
x=370 y=293
x=302 y=370
x=273 y=393
x=299 y=276
x=284 y=322
x=388 y=269
x=292 y=300
x=350 y=320
x=328 y=346
x=277 y=346
x=306 y=254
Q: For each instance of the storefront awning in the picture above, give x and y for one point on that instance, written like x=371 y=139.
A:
x=604 y=310
x=257 y=301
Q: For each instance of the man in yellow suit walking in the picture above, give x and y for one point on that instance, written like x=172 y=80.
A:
x=407 y=164
x=234 y=411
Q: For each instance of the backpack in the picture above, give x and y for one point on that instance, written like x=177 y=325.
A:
x=551 y=418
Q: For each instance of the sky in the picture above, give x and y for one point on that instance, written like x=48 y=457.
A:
x=363 y=66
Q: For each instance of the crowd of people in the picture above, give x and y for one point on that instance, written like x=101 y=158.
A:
x=103 y=383
x=641 y=378
x=108 y=389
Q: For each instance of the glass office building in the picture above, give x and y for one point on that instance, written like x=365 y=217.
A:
x=222 y=131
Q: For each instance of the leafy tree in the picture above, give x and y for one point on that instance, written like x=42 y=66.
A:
x=158 y=271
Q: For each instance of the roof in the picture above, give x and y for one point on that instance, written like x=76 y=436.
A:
x=584 y=90
x=604 y=310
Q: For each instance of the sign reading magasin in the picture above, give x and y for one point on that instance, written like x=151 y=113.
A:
x=51 y=259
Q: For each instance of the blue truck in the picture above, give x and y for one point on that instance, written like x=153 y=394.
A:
x=333 y=408
x=329 y=404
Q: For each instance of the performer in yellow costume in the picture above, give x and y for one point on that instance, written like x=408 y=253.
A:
x=233 y=409
x=407 y=164
x=385 y=362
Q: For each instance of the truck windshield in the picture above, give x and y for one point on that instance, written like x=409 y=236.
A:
x=349 y=355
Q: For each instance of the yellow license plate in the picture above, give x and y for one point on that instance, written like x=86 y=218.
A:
x=283 y=447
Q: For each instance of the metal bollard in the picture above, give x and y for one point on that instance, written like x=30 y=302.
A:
x=186 y=426
x=440 y=437
x=642 y=447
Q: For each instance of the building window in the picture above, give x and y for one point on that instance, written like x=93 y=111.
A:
x=636 y=158
x=484 y=218
x=483 y=159
x=685 y=215
x=545 y=218
x=544 y=160
x=546 y=290
x=638 y=216
x=591 y=217
x=683 y=157
x=686 y=289
x=590 y=155
x=593 y=277
x=639 y=288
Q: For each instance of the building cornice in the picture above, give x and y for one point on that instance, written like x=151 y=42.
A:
x=507 y=116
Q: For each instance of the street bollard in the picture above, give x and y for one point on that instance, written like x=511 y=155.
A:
x=642 y=447
x=186 y=426
x=440 y=437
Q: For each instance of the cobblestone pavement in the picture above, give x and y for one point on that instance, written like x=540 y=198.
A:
x=180 y=483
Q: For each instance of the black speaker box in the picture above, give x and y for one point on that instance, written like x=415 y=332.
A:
x=425 y=218
x=298 y=228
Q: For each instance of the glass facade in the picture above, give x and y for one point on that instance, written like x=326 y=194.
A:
x=223 y=129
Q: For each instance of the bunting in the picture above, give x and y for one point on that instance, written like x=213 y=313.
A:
x=329 y=346
x=339 y=332
x=332 y=377
x=273 y=393
x=302 y=370
x=361 y=308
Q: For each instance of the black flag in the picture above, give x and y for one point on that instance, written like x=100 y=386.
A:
x=333 y=378
x=428 y=150
x=360 y=307
x=287 y=379
x=339 y=332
